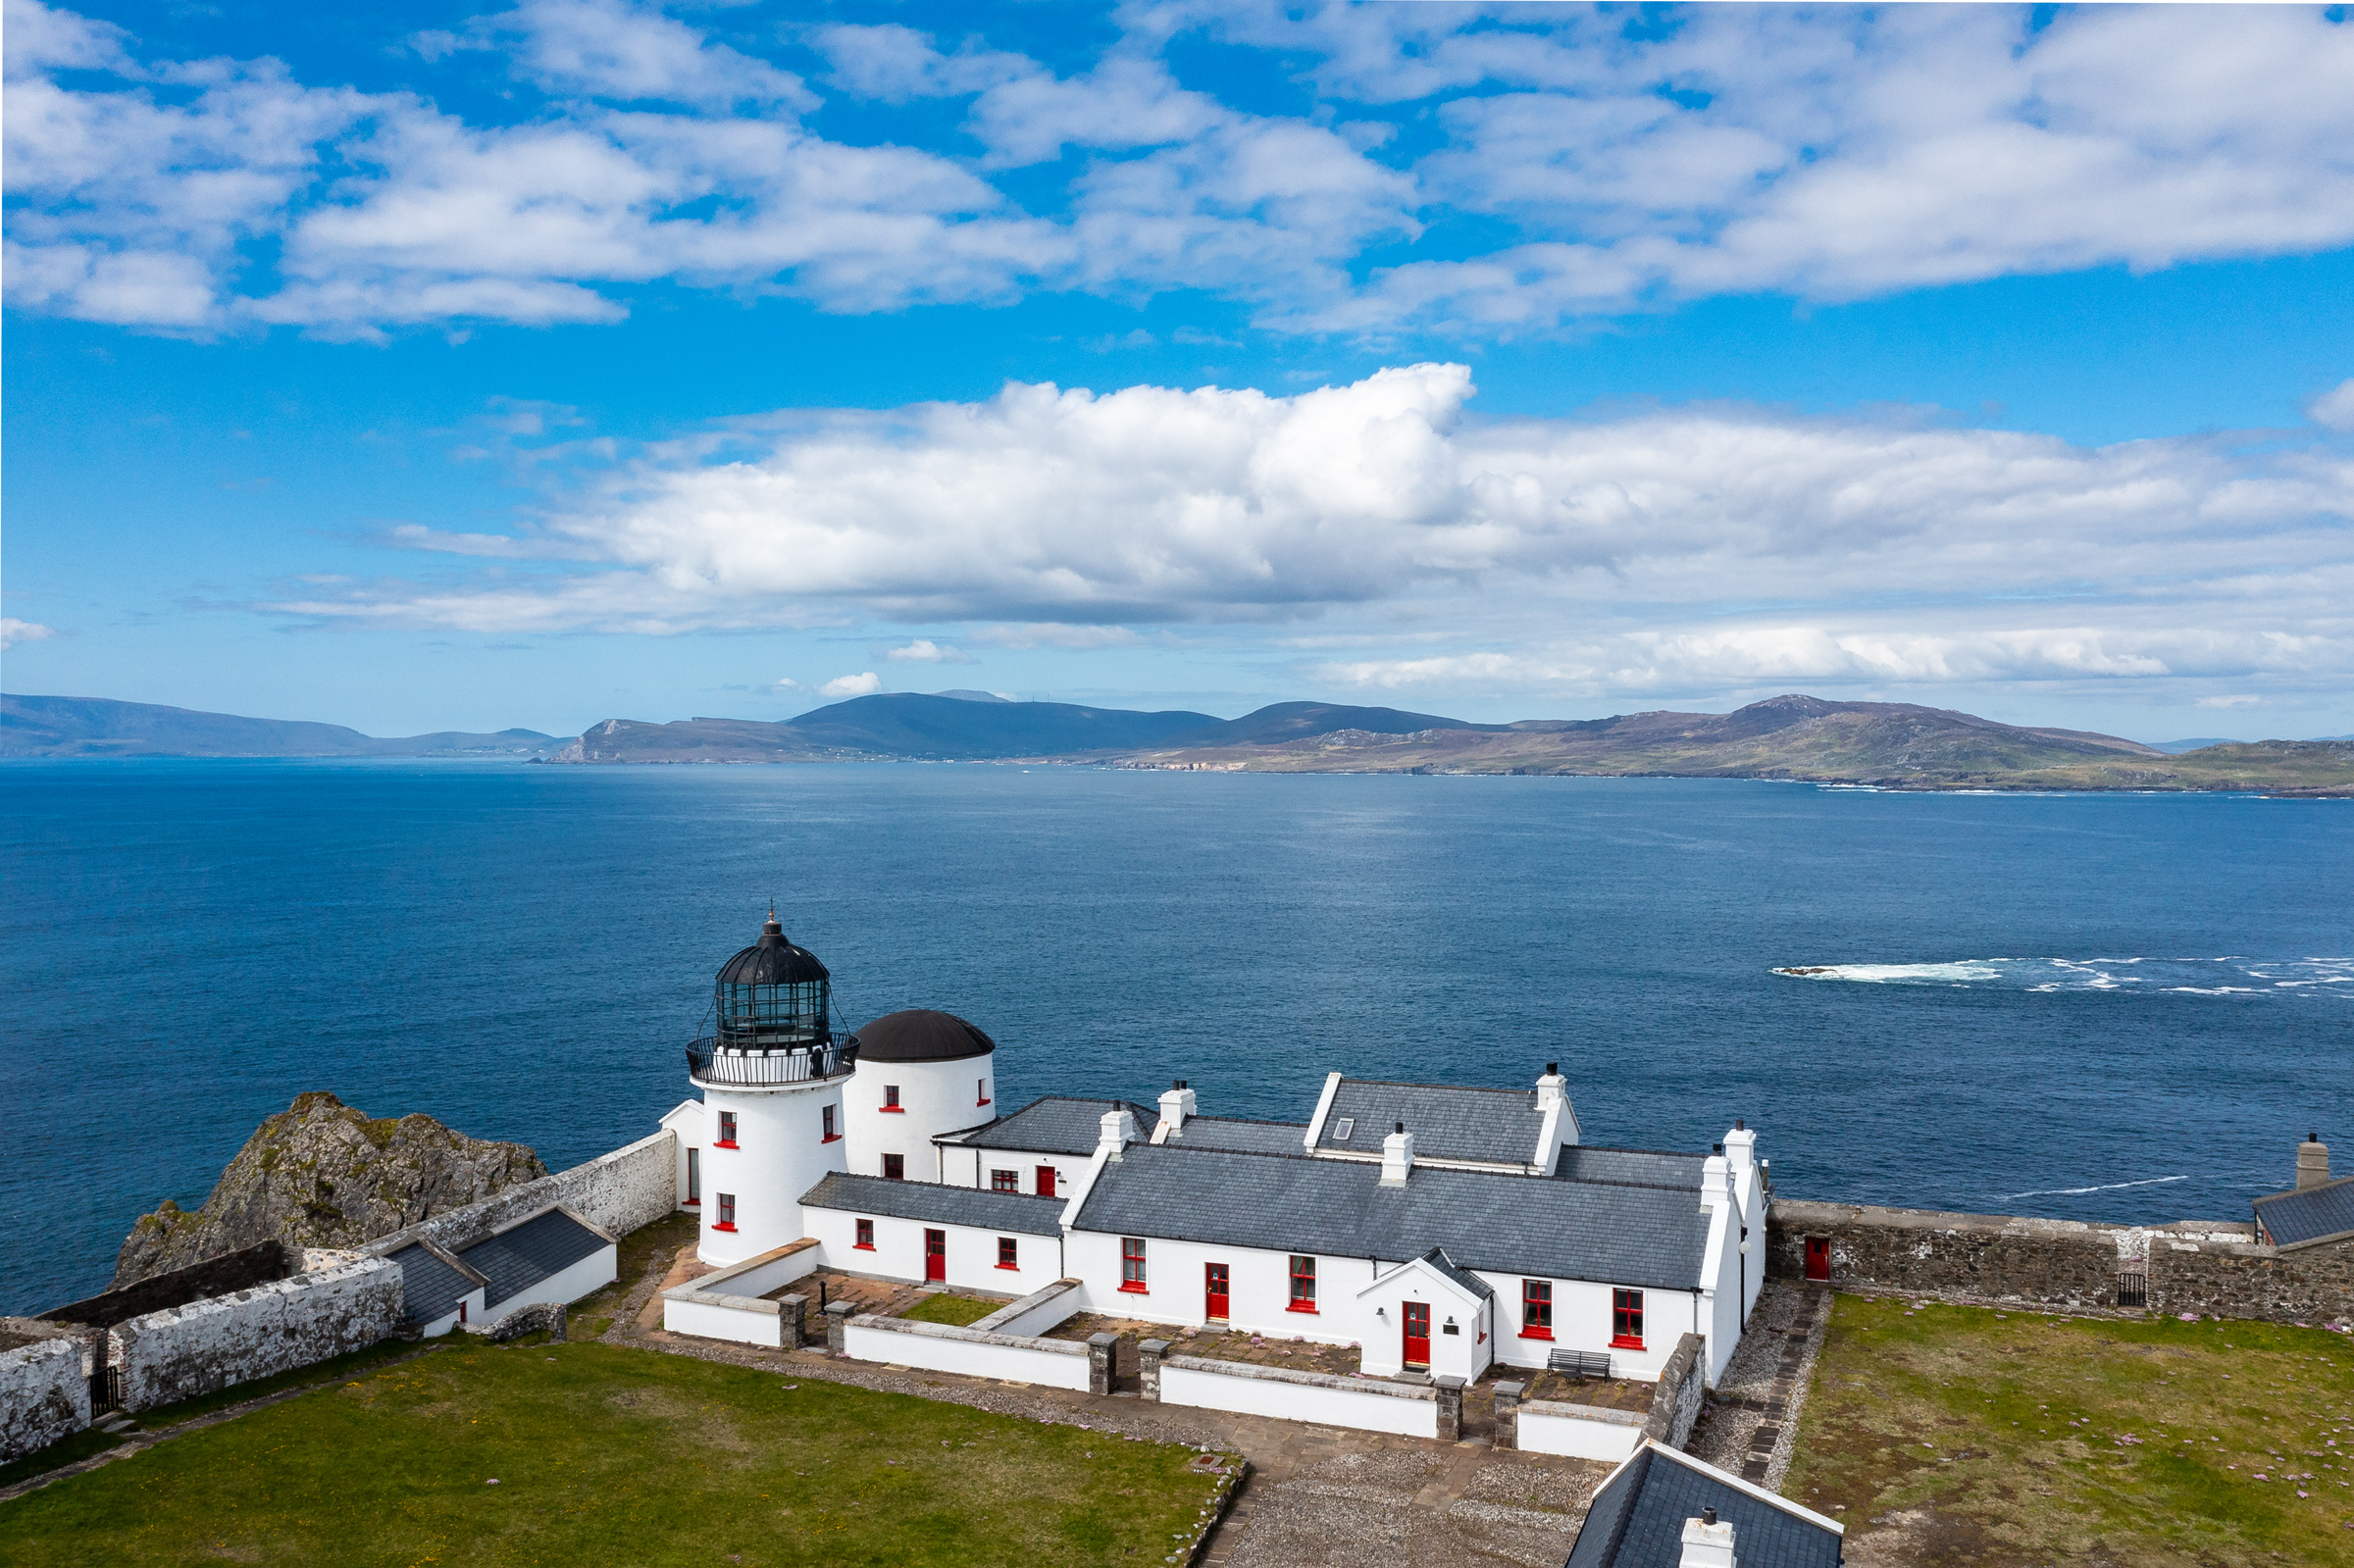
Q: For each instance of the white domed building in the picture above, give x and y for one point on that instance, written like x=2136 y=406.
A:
x=921 y=1074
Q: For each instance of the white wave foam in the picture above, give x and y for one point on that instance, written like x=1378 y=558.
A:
x=2233 y=975
x=2105 y=1186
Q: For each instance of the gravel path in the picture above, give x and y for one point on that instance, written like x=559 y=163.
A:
x=1749 y=1423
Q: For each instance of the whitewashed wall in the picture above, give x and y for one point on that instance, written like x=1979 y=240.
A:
x=1579 y=1432
x=971 y=1167
x=1581 y=1321
x=634 y=1186
x=1259 y=1286
x=44 y=1396
x=898 y=1253
x=1464 y=1353
x=227 y=1340
x=1410 y=1410
x=935 y=1098
x=781 y=1152
x=685 y=1122
x=1038 y=1311
x=564 y=1286
x=728 y=1304
x=944 y=1347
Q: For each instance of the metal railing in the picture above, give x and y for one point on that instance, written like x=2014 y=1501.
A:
x=713 y=1062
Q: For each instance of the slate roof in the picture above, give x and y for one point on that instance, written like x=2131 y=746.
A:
x=1496 y=1125
x=1580 y=1162
x=937 y=1203
x=1438 y=1259
x=2308 y=1214
x=1055 y=1125
x=1637 y=1518
x=1637 y=1236
x=522 y=1255
x=429 y=1288
x=1234 y=1132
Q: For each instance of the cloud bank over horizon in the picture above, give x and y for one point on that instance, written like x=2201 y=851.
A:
x=1707 y=547
x=1438 y=170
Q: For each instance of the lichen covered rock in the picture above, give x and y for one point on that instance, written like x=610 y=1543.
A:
x=322 y=1174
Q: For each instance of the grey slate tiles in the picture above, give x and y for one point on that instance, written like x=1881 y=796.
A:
x=2308 y=1213
x=940 y=1206
x=1637 y=1519
x=520 y=1257
x=1497 y=1125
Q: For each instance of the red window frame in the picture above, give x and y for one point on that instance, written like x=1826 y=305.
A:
x=1132 y=1265
x=866 y=1236
x=895 y=1167
x=726 y=1131
x=1626 y=1320
x=1536 y=1309
x=1006 y=1253
x=694 y=1178
x=726 y=1212
x=832 y=1126
x=1004 y=1181
x=980 y=1091
x=891 y=1099
x=1304 y=1284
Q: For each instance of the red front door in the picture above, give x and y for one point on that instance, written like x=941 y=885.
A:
x=1045 y=1181
x=1215 y=1294
x=936 y=1256
x=1819 y=1258
x=1417 y=1333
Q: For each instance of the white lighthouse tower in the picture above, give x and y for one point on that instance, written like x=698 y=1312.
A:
x=773 y=1072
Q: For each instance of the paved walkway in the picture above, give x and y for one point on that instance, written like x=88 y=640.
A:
x=1317 y=1497
x=1750 y=1424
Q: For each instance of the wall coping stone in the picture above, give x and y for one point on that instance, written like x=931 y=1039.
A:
x=699 y=1289
x=963 y=1334
x=1035 y=1299
x=1312 y=1380
x=1583 y=1412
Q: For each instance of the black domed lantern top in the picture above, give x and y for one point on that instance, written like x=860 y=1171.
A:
x=773 y=995
x=922 y=1035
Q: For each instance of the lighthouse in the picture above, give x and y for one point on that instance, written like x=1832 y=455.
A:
x=773 y=1071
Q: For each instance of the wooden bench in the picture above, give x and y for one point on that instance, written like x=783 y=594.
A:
x=1579 y=1364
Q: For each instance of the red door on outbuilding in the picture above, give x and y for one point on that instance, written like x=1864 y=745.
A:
x=1819 y=1258
x=1045 y=1181
x=936 y=1257
x=1214 y=1298
x=1417 y=1333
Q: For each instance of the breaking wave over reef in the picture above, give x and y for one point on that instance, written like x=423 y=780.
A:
x=2328 y=979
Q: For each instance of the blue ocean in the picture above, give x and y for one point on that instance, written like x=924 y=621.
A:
x=2088 y=1006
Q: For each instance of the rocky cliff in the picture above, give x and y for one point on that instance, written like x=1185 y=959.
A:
x=322 y=1174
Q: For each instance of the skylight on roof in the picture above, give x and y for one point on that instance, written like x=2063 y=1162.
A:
x=1342 y=1128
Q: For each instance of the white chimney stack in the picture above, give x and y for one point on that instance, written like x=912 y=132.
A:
x=1176 y=1108
x=1119 y=1131
x=1551 y=1088
x=1741 y=1146
x=1397 y=1156
x=1717 y=1180
x=2313 y=1161
x=1708 y=1543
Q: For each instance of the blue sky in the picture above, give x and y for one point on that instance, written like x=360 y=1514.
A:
x=469 y=367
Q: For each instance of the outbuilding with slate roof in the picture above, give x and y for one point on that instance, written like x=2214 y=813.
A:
x=1665 y=1509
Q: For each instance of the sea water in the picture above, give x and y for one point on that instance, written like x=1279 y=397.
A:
x=2126 y=1007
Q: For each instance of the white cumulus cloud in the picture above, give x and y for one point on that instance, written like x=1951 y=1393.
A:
x=13 y=632
x=923 y=650
x=852 y=685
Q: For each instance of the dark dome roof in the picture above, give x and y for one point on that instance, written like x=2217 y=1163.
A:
x=773 y=960
x=921 y=1034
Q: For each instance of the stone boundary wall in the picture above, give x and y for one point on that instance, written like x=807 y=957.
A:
x=2213 y=1268
x=1364 y=1404
x=222 y=1340
x=1578 y=1430
x=1038 y=1311
x=634 y=1186
x=733 y=1303
x=44 y=1395
x=947 y=1347
x=1676 y=1400
x=215 y=1276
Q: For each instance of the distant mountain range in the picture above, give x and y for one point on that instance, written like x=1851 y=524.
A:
x=96 y=727
x=1888 y=744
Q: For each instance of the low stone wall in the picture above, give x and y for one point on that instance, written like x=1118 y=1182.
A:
x=222 y=1340
x=2212 y=1268
x=44 y=1395
x=541 y=1316
x=1038 y=1311
x=1367 y=1404
x=1676 y=1400
x=1578 y=1430
x=732 y=1304
x=634 y=1186
x=946 y=1347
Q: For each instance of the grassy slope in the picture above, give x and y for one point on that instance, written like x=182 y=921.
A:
x=1999 y=1438
x=615 y=1456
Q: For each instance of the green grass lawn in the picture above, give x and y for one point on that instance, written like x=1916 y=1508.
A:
x=615 y=1457
x=945 y=1308
x=1980 y=1437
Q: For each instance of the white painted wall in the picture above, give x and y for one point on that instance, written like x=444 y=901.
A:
x=781 y=1153
x=944 y=1347
x=1464 y=1353
x=898 y=1253
x=739 y=1318
x=1581 y=1321
x=1259 y=1286
x=935 y=1098
x=472 y=1301
x=1579 y=1432
x=684 y=1123
x=1038 y=1311
x=44 y=1396
x=1410 y=1410
x=972 y=1167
